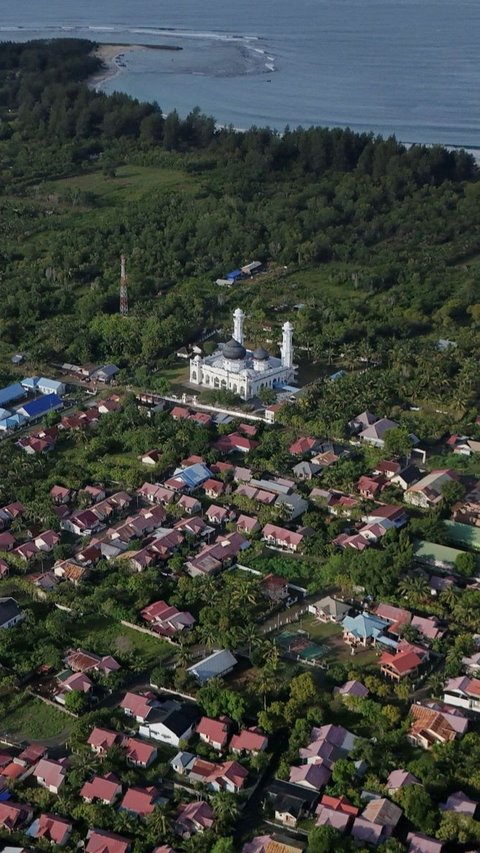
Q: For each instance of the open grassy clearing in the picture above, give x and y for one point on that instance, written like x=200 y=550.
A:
x=130 y=183
x=113 y=638
x=34 y=720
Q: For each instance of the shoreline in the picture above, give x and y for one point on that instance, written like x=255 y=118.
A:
x=112 y=54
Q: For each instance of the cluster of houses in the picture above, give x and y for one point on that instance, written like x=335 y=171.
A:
x=45 y=396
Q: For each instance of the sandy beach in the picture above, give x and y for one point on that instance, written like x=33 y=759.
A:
x=113 y=56
x=110 y=55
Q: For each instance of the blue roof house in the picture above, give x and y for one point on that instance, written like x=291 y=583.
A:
x=30 y=383
x=233 y=275
x=195 y=475
x=12 y=393
x=12 y=422
x=50 y=386
x=364 y=628
x=41 y=406
x=4 y=413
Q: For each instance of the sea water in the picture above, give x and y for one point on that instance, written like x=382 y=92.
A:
x=404 y=67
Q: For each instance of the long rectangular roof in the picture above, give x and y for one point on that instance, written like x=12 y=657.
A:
x=11 y=392
x=40 y=406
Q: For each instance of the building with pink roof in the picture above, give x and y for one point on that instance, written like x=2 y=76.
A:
x=314 y=776
x=419 y=843
x=398 y=779
x=352 y=688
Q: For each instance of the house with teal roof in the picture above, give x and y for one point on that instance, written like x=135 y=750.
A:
x=365 y=629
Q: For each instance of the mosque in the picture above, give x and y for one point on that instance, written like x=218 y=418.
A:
x=245 y=372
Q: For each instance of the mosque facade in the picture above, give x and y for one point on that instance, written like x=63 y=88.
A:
x=245 y=372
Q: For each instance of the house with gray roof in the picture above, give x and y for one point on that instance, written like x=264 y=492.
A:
x=10 y=613
x=216 y=665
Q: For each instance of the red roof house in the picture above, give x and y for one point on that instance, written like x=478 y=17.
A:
x=249 y=740
x=52 y=828
x=103 y=789
x=101 y=740
x=213 y=732
x=140 y=801
x=99 y=841
x=138 y=753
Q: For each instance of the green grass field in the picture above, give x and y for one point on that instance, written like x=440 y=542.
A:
x=113 y=638
x=130 y=183
x=35 y=720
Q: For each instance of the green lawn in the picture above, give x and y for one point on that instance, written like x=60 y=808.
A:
x=319 y=631
x=113 y=638
x=130 y=183
x=35 y=720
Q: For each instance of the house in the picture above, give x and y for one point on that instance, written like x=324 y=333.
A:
x=374 y=434
x=192 y=818
x=171 y=723
x=69 y=571
x=329 y=609
x=304 y=446
x=428 y=627
x=85 y=522
x=41 y=406
x=81 y=661
x=101 y=740
x=61 y=495
x=101 y=789
x=140 y=801
x=247 y=524
x=337 y=812
x=419 y=843
x=404 y=664
x=406 y=478
x=362 y=421
x=213 y=732
x=105 y=374
x=314 y=776
x=13 y=816
x=26 y=551
x=50 y=774
x=52 y=828
x=388 y=515
x=399 y=779
x=50 y=386
x=370 y=487
x=282 y=538
x=433 y=724
x=383 y=813
x=248 y=740
x=7 y=541
x=327 y=743
x=273 y=844
x=387 y=468
x=398 y=617
x=77 y=681
x=364 y=629
x=235 y=442
x=99 y=841
x=306 y=470
x=138 y=705
x=138 y=753
x=151 y=458
x=218 y=514
x=216 y=665
x=10 y=613
x=291 y=802
x=189 y=505
x=213 y=488
x=274 y=587
x=293 y=505
x=472 y=663
x=47 y=541
x=366 y=832
x=165 y=619
x=352 y=688
x=427 y=492
x=463 y=692
x=460 y=803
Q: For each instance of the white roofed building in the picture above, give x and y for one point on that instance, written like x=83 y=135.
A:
x=245 y=372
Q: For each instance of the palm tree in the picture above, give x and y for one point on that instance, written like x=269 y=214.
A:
x=225 y=807
x=449 y=597
x=250 y=636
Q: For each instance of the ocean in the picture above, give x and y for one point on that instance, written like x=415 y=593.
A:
x=403 y=67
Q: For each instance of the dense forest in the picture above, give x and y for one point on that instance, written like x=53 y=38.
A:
x=378 y=243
